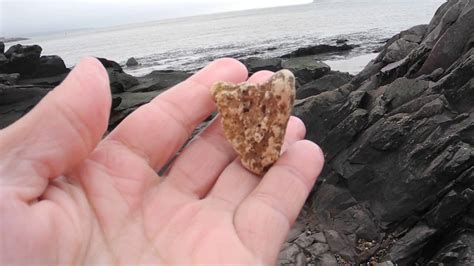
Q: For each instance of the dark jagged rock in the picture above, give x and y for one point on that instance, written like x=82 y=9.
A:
x=326 y=83
x=2 y=48
x=131 y=62
x=319 y=49
x=23 y=59
x=398 y=184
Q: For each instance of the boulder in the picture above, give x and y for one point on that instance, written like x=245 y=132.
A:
x=23 y=59
x=50 y=65
x=132 y=62
x=306 y=68
x=326 y=83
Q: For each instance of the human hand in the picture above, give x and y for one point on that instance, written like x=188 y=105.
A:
x=67 y=196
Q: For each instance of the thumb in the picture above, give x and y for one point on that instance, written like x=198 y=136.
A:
x=58 y=133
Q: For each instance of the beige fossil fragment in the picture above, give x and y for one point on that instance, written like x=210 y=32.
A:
x=255 y=117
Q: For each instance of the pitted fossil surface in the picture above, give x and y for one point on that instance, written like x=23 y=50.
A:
x=255 y=116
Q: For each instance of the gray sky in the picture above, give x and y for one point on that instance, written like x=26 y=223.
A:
x=29 y=17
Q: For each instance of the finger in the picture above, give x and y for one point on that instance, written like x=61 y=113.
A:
x=193 y=173
x=158 y=129
x=236 y=183
x=265 y=216
x=58 y=133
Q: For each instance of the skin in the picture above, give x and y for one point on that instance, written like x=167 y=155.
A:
x=69 y=196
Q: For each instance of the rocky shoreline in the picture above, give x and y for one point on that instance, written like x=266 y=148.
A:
x=26 y=76
x=398 y=185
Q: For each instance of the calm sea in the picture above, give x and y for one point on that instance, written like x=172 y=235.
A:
x=188 y=43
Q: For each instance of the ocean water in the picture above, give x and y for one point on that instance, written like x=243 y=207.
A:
x=189 y=43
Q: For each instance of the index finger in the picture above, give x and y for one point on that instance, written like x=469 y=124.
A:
x=157 y=130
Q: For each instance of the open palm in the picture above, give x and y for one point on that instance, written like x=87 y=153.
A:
x=67 y=196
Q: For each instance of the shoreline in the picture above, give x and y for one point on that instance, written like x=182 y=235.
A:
x=38 y=73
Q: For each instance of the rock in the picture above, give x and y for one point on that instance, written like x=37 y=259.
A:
x=16 y=101
x=306 y=68
x=396 y=93
x=450 y=46
x=2 y=48
x=415 y=34
x=288 y=254
x=326 y=259
x=128 y=103
x=159 y=80
x=341 y=41
x=9 y=79
x=319 y=49
x=131 y=62
x=459 y=251
x=116 y=101
x=255 y=64
x=295 y=231
x=109 y=64
x=49 y=66
x=450 y=207
x=120 y=81
x=256 y=116
x=398 y=50
x=3 y=63
x=410 y=244
x=398 y=183
x=45 y=82
x=23 y=59
x=325 y=83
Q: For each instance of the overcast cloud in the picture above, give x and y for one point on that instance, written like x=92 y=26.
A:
x=30 y=17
